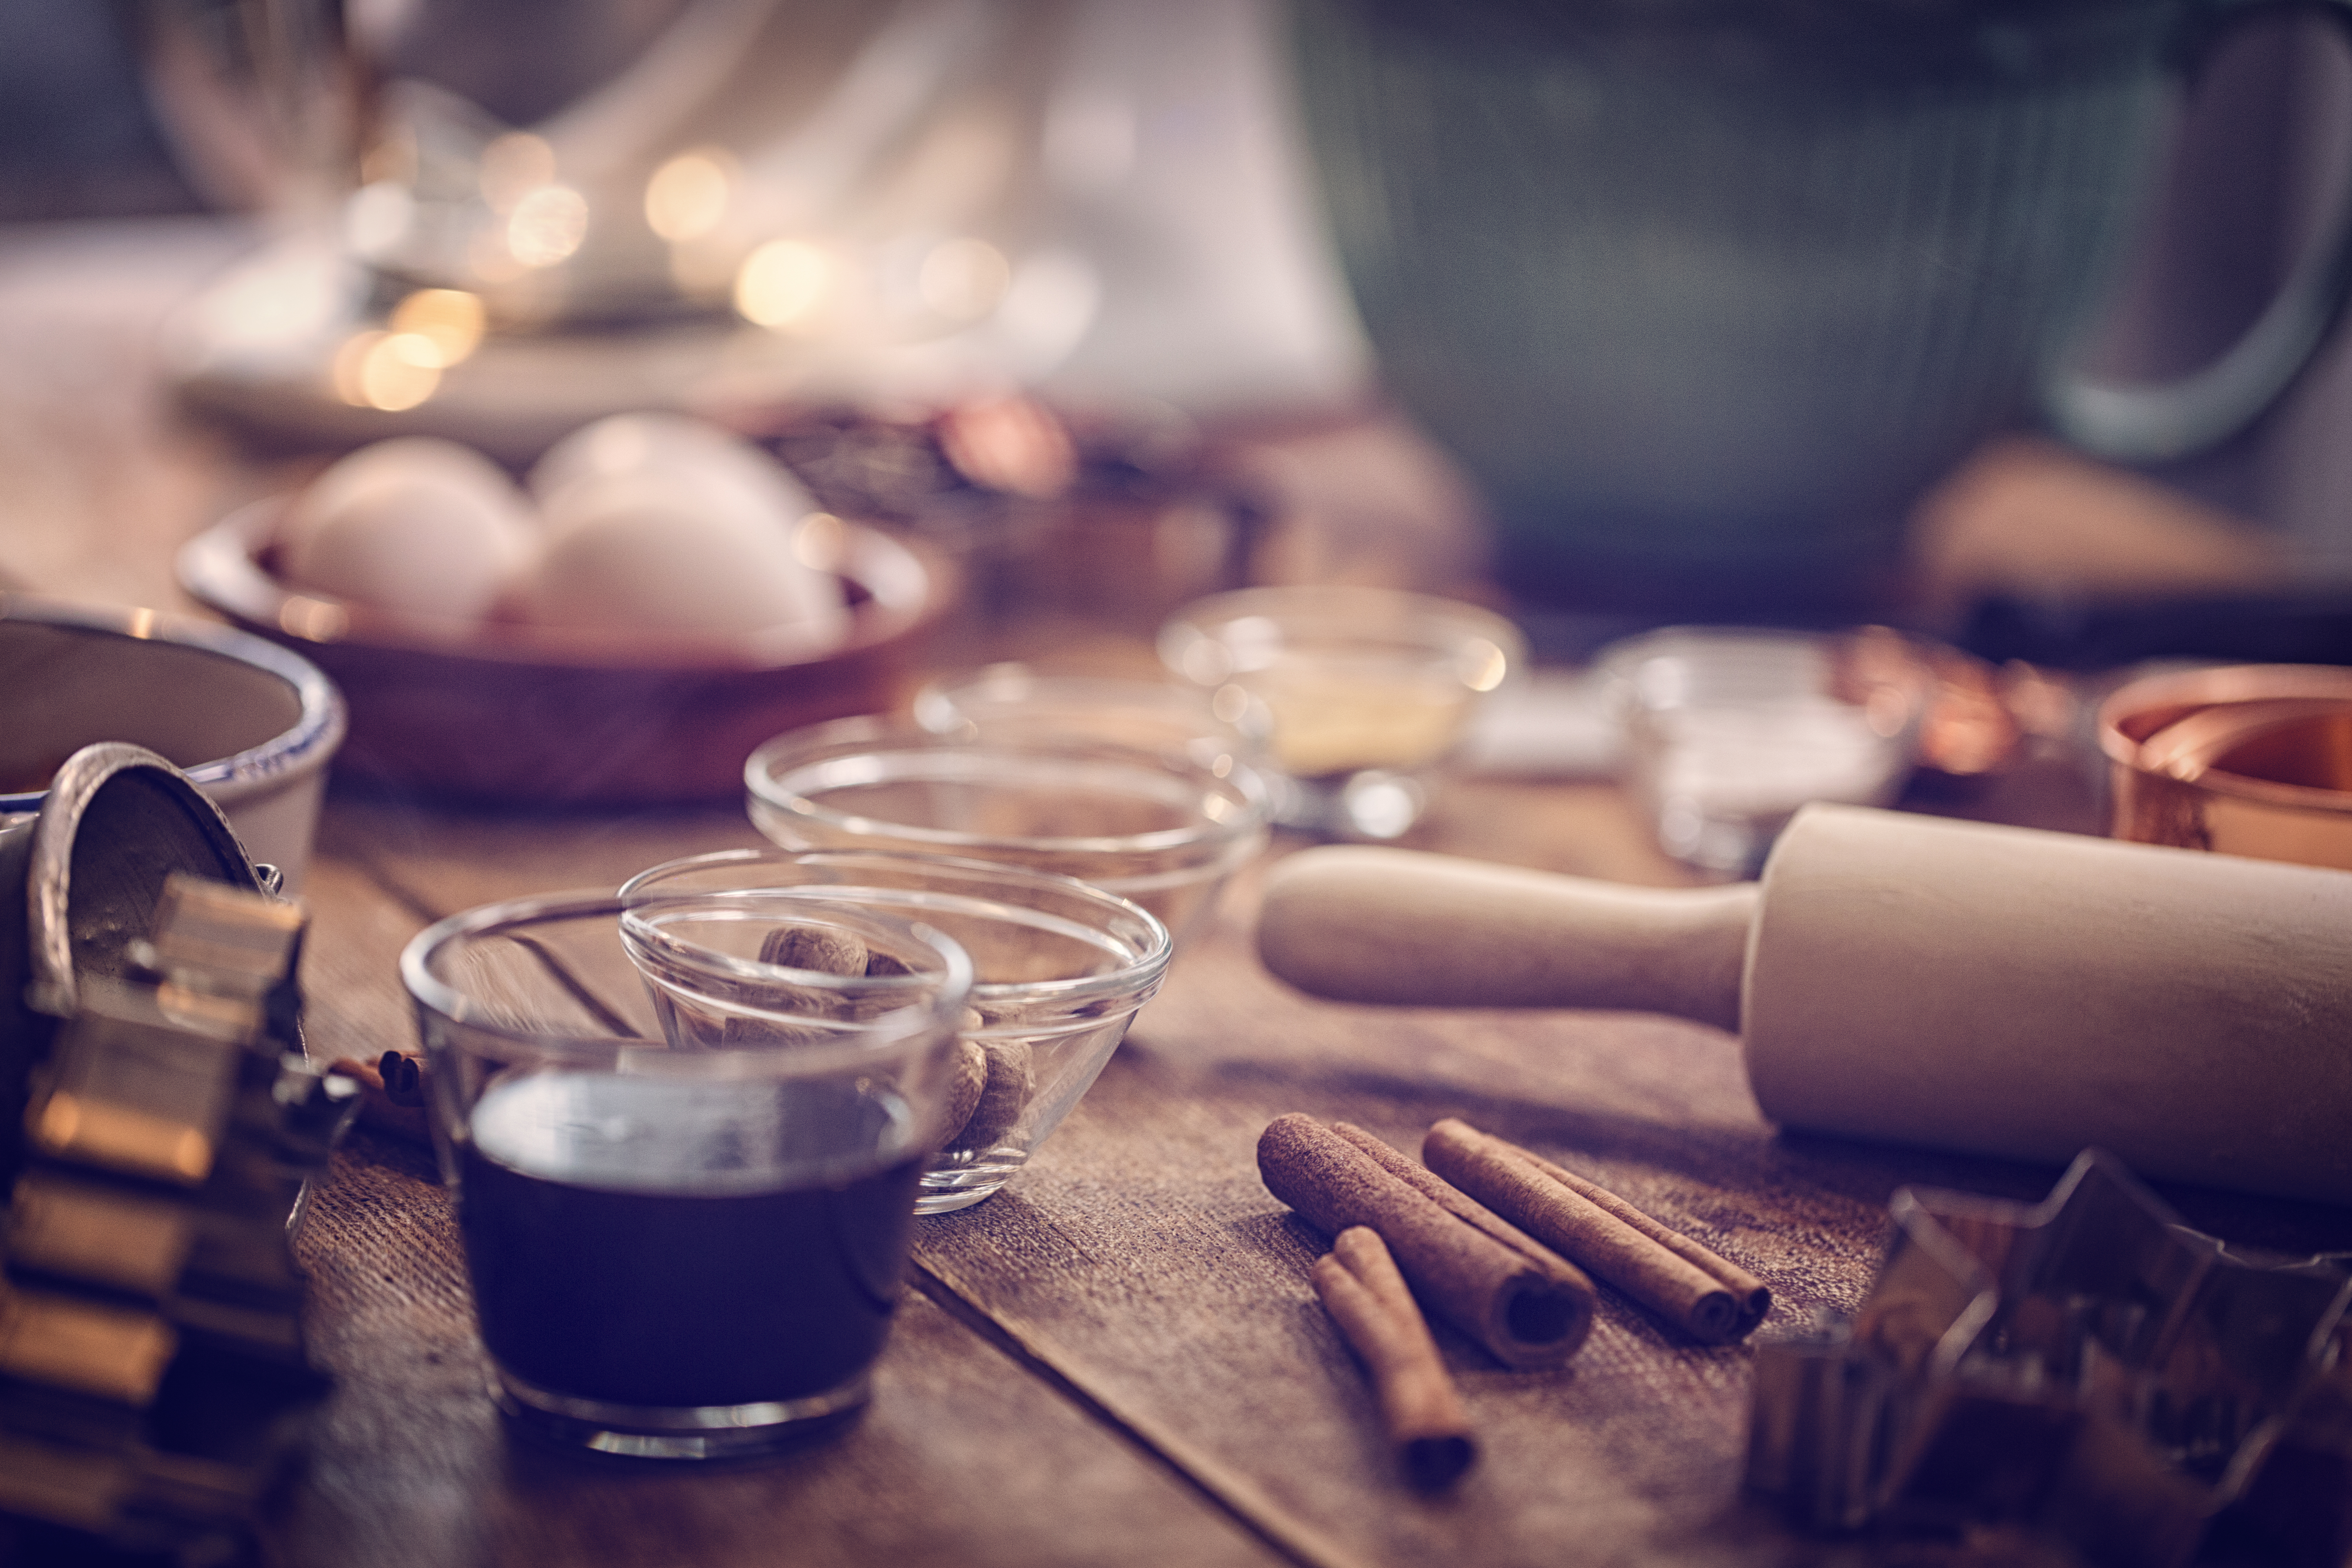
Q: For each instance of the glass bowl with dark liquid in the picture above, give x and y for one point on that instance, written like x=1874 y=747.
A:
x=684 y=1244
x=1060 y=969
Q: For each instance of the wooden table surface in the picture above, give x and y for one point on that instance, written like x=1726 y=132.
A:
x=1116 y=1358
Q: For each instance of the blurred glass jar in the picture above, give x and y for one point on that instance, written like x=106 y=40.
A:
x=827 y=168
x=1369 y=692
x=810 y=201
x=1729 y=729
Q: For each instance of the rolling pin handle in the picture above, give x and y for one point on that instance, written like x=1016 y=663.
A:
x=1361 y=924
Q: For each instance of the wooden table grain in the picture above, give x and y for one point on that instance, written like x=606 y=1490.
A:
x=1119 y=1358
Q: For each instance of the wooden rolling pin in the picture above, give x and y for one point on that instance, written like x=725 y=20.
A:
x=1994 y=990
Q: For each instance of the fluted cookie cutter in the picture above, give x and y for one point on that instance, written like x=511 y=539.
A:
x=2089 y=1367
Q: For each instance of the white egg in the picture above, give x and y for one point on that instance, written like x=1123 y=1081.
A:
x=689 y=449
x=421 y=526
x=663 y=553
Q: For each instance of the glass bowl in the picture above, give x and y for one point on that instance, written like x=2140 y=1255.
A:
x=1012 y=702
x=1060 y=969
x=1164 y=831
x=684 y=1244
x=1370 y=691
x=1728 y=729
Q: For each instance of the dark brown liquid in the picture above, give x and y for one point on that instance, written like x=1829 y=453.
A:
x=685 y=1243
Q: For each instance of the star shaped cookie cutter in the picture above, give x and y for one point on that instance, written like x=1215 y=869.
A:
x=2088 y=1367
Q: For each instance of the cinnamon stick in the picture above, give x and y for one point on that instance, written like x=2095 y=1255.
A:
x=391 y=1093
x=403 y=1079
x=1709 y=1298
x=1444 y=1193
x=1529 y=1307
x=1360 y=1287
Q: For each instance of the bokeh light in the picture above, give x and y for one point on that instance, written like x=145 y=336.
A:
x=820 y=542
x=688 y=195
x=782 y=283
x=391 y=371
x=963 y=279
x=377 y=218
x=512 y=167
x=1481 y=665
x=547 y=224
x=449 y=320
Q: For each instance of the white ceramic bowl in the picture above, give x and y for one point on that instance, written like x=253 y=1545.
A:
x=252 y=724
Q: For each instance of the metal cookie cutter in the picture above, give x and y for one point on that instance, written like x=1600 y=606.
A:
x=163 y=1126
x=2088 y=1367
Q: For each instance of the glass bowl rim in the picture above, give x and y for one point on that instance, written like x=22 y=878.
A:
x=1326 y=603
x=846 y=738
x=430 y=993
x=1138 y=976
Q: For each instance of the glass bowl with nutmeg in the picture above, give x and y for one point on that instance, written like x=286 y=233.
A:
x=1060 y=969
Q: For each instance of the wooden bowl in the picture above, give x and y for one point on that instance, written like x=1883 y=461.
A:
x=518 y=713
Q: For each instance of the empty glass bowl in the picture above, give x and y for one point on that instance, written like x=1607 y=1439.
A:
x=1370 y=691
x=1164 y=830
x=1060 y=970
x=1729 y=729
x=1014 y=702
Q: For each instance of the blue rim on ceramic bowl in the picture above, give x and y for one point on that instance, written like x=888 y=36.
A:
x=313 y=736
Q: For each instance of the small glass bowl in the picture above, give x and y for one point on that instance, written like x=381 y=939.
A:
x=1012 y=702
x=1165 y=831
x=1728 y=729
x=1370 y=691
x=683 y=1245
x=1060 y=969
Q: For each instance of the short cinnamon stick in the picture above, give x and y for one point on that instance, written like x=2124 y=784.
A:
x=1708 y=1298
x=1360 y=1287
x=1526 y=1304
x=1444 y=1193
x=391 y=1093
